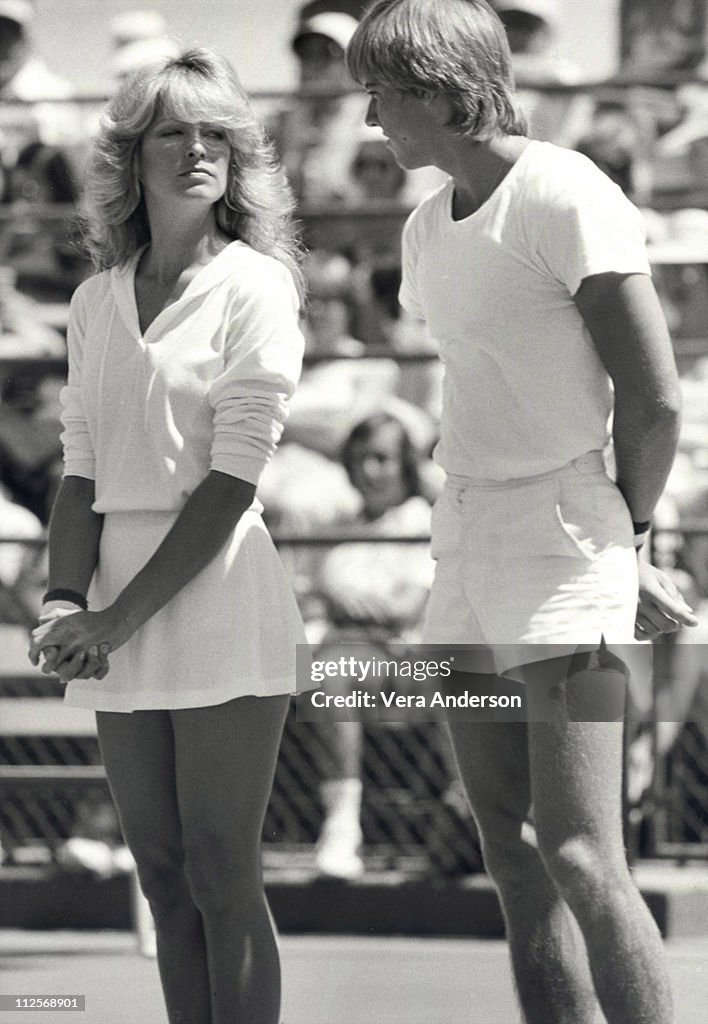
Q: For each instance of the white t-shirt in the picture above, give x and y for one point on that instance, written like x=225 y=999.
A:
x=525 y=391
x=205 y=387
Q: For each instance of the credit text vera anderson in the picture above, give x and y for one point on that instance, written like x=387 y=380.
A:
x=391 y=699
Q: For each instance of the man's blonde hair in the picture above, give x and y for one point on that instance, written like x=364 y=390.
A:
x=454 y=47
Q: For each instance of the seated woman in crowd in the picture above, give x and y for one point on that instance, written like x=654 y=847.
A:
x=372 y=593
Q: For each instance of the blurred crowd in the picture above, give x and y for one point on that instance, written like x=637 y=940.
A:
x=356 y=453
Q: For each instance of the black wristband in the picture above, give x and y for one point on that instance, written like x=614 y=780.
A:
x=641 y=527
x=62 y=594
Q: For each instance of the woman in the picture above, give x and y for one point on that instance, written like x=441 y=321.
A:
x=183 y=351
x=372 y=584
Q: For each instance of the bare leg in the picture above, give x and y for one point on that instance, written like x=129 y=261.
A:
x=344 y=748
x=547 y=950
x=138 y=752
x=225 y=757
x=576 y=773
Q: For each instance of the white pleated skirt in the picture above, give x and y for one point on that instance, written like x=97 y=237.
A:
x=231 y=632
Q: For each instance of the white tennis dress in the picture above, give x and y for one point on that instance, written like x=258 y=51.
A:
x=147 y=416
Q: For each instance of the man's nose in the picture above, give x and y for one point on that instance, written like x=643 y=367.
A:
x=372 y=117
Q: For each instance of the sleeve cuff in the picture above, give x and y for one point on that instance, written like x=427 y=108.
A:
x=244 y=467
x=75 y=466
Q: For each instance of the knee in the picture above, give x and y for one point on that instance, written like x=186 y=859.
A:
x=510 y=856
x=220 y=876
x=583 y=869
x=162 y=879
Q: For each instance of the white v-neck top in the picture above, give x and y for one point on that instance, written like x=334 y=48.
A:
x=205 y=387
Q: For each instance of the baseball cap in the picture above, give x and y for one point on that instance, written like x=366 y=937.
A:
x=20 y=11
x=334 y=25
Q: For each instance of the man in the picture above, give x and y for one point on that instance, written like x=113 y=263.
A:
x=139 y=37
x=532 y=31
x=317 y=140
x=528 y=267
x=26 y=81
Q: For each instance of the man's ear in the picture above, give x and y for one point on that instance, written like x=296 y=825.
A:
x=440 y=107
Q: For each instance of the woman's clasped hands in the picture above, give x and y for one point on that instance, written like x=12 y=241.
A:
x=74 y=645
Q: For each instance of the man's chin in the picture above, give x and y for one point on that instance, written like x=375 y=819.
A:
x=403 y=161
x=407 y=162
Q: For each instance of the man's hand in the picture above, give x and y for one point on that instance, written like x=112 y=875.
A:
x=661 y=607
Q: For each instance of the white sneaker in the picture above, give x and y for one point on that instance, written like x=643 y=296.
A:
x=81 y=854
x=338 y=854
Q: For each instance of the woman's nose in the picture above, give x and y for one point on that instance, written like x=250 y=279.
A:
x=372 y=118
x=196 y=146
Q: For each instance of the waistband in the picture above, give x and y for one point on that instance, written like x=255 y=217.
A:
x=158 y=514
x=591 y=462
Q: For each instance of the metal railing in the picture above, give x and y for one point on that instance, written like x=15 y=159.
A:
x=413 y=818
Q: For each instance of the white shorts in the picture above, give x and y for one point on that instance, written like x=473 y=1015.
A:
x=532 y=569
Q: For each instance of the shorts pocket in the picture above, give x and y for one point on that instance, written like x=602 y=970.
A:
x=592 y=515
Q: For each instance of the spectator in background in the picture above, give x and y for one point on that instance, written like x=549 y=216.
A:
x=371 y=593
x=374 y=174
x=38 y=265
x=305 y=488
x=41 y=250
x=329 y=163
x=531 y=28
x=337 y=390
x=661 y=38
x=328 y=328
x=379 y=182
x=22 y=568
x=376 y=178
x=611 y=142
x=676 y=164
x=139 y=37
x=39 y=144
x=317 y=138
x=25 y=81
x=677 y=239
